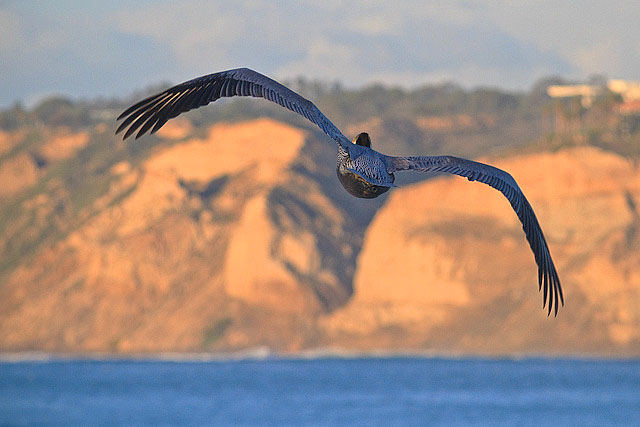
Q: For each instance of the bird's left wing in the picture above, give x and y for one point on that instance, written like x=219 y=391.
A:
x=153 y=112
x=503 y=182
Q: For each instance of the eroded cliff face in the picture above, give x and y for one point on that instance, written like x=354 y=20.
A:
x=445 y=264
x=244 y=238
x=225 y=242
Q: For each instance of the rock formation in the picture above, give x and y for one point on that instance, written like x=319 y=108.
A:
x=232 y=236
x=243 y=238
x=445 y=264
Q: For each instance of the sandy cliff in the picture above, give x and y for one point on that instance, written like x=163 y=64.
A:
x=207 y=238
x=244 y=238
x=445 y=264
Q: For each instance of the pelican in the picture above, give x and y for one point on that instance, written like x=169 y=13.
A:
x=362 y=171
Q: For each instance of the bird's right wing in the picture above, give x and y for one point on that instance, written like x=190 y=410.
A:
x=153 y=112
x=503 y=182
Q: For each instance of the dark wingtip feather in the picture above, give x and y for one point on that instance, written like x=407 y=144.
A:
x=149 y=105
x=147 y=126
x=158 y=125
x=131 y=130
x=555 y=291
x=545 y=291
x=137 y=105
x=121 y=127
x=539 y=279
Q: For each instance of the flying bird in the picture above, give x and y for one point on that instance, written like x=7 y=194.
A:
x=362 y=171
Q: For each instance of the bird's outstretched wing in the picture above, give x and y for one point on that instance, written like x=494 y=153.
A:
x=503 y=182
x=153 y=112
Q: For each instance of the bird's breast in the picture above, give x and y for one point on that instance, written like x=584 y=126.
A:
x=358 y=186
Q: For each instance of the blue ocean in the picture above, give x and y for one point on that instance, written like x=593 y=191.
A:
x=322 y=391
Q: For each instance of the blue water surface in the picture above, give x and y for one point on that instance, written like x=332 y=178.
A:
x=362 y=391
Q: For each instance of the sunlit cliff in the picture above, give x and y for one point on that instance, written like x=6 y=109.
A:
x=241 y=237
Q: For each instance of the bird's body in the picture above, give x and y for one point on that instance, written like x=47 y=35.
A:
x=356 y=176
x=362 y=171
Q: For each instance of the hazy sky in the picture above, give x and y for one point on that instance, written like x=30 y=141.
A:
x=99 y=48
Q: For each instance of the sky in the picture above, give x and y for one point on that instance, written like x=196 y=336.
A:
x=89 y=49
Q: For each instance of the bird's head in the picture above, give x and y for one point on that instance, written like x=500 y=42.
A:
x=362 y=139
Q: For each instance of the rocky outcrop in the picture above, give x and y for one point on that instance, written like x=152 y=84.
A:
x=223 y=242
x=242 y=237
x=445 y=264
